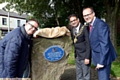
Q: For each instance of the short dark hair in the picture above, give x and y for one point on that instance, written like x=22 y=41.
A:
x=72 y=15
x=88 y=7
x=33 y=20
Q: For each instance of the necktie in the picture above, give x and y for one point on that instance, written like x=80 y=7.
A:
x=90 y=28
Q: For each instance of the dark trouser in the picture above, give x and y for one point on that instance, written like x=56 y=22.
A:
x=104 y=73
x=82 y=70
x=26 y=73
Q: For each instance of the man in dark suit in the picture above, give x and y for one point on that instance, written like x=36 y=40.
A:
x=103 y=52
x=80 y=37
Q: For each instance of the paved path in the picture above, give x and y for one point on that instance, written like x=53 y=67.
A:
x=70 y=74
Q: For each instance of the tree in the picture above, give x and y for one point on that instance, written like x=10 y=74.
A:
x=111 y=16
x=54 y=12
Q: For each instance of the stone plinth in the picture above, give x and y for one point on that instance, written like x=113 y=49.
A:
x=42 y=69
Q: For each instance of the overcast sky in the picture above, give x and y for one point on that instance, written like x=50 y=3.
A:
x=2 y=5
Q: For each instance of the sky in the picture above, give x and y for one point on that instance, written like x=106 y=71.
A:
x=2 y=5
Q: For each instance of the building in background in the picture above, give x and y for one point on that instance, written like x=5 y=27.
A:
x=12 y=21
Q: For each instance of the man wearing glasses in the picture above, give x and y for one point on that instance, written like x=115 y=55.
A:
x=15 y=50
x=80 y=39
x=103 y=52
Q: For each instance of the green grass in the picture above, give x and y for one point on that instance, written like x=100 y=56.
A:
x=71 y=59
x=115 y=69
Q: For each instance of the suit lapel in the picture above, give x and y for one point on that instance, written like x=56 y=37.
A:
x=91 y=31
x=93 y=27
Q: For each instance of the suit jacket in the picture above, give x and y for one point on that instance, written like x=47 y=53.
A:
x=103 y=51
x=82 y=46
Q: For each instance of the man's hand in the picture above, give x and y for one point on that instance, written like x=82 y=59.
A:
x=99 y=66
x=86 y=61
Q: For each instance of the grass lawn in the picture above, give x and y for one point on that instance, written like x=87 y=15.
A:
x=71 y=59
x=115 y=69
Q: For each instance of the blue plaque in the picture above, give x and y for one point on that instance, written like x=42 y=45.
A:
x=54 y=53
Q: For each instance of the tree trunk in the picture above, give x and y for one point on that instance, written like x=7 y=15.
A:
x=111 y=19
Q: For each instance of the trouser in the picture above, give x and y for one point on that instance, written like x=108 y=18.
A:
x=26 y=73
x=82 y=70
x=104 y=73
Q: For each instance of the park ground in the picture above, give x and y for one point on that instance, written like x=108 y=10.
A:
x=70 y=74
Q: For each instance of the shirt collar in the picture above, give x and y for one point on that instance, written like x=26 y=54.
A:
x=77 y=28
x=93 y=21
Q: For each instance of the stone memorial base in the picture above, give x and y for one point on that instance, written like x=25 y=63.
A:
x=42 y=69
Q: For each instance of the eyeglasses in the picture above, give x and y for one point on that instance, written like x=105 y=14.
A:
x=87 y=14
x=33 y=26
x=73 y=20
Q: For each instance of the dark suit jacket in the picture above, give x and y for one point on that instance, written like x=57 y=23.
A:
x=103 y=51
x=82 y=46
